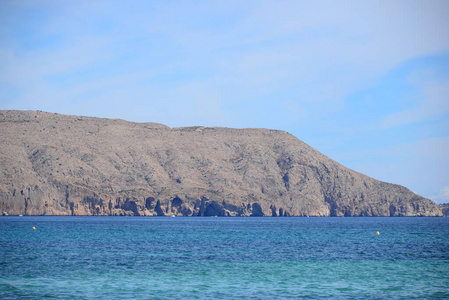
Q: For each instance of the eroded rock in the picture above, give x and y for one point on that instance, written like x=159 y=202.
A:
x=68 y=165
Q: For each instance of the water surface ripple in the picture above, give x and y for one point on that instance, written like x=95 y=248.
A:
x=223 y=258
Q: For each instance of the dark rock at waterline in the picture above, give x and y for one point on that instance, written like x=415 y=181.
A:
x=69 y=165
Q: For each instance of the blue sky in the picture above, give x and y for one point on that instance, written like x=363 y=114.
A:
x=364 y=82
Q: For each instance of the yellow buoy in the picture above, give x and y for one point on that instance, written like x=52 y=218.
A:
x=377 y=232
x=34 y=228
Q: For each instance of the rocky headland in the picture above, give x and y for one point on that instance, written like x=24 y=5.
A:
x=54 y=164
x=445 y=208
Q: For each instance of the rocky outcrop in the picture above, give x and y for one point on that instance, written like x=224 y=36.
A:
x=445 y=209
x=69 y=165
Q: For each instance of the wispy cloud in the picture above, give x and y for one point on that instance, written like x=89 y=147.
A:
x=442 y=197
x=433 y=100
x=323 y=51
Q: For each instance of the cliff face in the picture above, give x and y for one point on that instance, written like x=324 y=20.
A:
x=445 y=209
x=55 y=164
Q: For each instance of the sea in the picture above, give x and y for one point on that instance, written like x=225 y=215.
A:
x=224 y=258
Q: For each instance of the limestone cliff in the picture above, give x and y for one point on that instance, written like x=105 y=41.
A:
x=445 y=209
x=55 y=164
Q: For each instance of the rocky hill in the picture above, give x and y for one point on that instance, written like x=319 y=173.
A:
x=445 y=209
x=54 y=164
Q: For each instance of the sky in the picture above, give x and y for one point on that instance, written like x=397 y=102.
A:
x=364 y=82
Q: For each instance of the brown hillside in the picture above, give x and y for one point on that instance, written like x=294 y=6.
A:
x=55 y=164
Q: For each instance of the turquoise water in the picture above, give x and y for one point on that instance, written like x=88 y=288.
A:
x=223 y=258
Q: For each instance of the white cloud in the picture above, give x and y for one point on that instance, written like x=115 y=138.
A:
x=442 y=197
x=325 y=50
x=433 y=97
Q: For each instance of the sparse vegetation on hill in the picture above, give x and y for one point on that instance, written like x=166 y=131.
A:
x=69 y=165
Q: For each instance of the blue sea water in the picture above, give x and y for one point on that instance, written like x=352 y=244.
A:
x=223 y=258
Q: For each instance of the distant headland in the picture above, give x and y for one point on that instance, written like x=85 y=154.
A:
x=56 y=164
